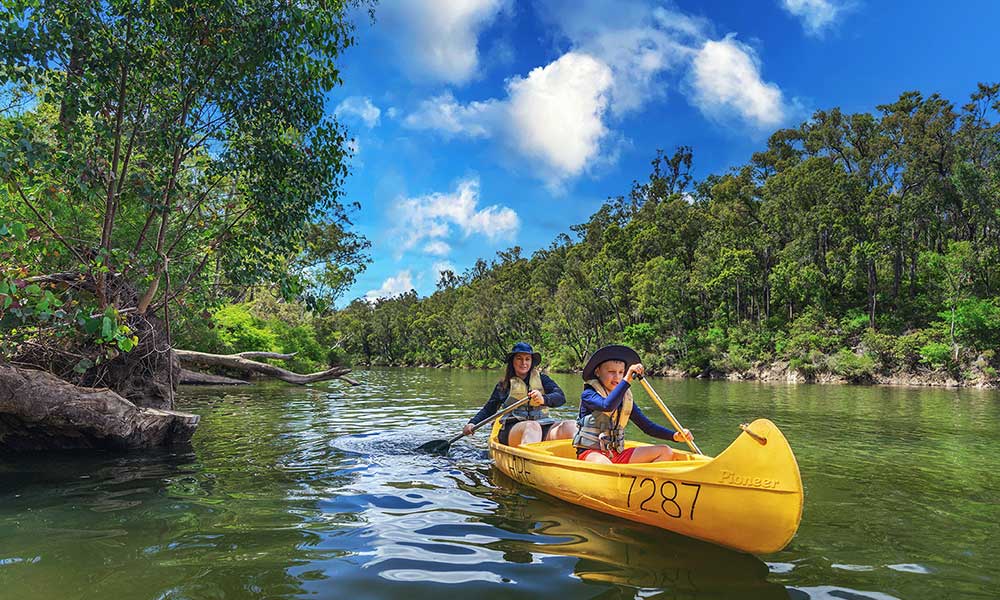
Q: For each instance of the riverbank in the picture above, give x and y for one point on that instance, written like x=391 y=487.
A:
x=780 y=371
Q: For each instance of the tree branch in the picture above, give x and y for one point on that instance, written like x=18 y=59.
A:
x=238 y=362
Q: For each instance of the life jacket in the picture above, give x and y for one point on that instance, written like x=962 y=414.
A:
x=518 y=390
x=603 y=430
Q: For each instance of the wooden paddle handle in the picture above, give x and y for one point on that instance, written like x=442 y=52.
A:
x=492 y=418
x=666 y=411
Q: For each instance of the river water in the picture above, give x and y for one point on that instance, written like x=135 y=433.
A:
x=295 y=492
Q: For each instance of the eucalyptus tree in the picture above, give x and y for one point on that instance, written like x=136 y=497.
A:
x=169 y=153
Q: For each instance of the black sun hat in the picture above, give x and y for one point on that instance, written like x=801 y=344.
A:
x=612 y=352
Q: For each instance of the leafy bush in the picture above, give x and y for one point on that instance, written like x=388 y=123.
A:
x=936 y=354
x=854 y=367
x=240 y=331
x=639 y=336
x=883 y=347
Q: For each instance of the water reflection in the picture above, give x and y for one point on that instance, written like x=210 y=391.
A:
x=618 y=552
x=316 y=492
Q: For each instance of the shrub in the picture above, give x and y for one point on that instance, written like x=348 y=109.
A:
x=936 y=354
x=883 y=347
x=854 y=367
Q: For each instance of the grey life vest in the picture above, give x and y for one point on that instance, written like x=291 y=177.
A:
x=518 y=390
x=604 y=430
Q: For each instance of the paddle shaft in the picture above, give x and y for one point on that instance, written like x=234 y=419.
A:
x=666 y=411
x=492 y=418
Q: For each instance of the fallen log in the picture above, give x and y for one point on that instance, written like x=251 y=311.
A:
x=39 y=411
x=189 y=377
x=241 y=362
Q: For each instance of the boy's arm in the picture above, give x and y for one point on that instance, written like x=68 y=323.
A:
x=594 y=401
x=553 y=395
x=492 y=405
x=648 y=427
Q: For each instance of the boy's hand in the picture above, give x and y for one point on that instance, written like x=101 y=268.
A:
x=536 y=398
x=680 y=436
x=467 y=430
x=636 y=369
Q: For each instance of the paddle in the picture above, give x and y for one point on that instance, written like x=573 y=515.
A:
x=442 y=446
x=670 y=416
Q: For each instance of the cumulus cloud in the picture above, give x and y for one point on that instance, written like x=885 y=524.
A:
x=359 y=107
x=437 y=248
x=446 y=114
x=560 y=117
x=557 y=112
x=439 y=39
x=816 y=15
x=442 y=266
x=555 y=115
x=435 y=217
x=400 y=283
x=638 y=43
x=726 y=80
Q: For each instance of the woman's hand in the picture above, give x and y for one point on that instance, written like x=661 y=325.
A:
x=680 y=436
x=536 y=398
x=636 y=369
x=468 y=430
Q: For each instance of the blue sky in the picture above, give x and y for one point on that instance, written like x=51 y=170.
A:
x=484 y=124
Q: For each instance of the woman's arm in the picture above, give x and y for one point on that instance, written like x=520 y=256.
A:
x=492 y=405
x=554 y=395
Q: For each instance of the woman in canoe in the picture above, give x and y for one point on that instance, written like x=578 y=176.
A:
x=529 y=423
x=606 y=407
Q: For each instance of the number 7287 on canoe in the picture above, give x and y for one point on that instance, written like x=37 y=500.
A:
x=748 y=498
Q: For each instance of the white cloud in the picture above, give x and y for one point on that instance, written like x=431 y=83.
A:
x=816 y=15
x=433 y=217
x=360 y=107
x=438 y=39
x=437 y=248
x=400 y=283
x=639 y=44
x=726 y=80
x=555 y=115
x=445 y=114
x=440 y=267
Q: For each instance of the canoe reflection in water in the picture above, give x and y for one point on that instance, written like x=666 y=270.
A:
x=626 y=554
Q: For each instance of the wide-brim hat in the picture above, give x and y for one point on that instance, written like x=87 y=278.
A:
x=524 y=348
x=612 y=352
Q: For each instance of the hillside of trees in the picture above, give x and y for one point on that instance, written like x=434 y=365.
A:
x=861 y=245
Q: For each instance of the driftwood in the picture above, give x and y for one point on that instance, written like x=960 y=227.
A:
x=189 y=377
x=244 y=362
x=39 y=411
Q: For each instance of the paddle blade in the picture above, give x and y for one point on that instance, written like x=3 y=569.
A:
x=435 y=447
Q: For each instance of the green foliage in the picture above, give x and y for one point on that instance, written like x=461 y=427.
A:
x=857 y=368
x=936 y=354
x=170 y=158
x=239 y=331
x=849 y=244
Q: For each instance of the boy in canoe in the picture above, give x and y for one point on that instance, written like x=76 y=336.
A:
x=606 y=407
x=529 y=423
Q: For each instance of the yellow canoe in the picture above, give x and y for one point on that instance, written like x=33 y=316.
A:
x=748 y=498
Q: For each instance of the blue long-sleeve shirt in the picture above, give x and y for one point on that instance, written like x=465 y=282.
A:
x=552 y=395
x=591 y=401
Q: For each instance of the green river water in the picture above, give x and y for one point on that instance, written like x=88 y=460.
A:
x=315 y=492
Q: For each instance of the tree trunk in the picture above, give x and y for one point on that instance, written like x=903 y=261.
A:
x=241 y=362
x=39 y=411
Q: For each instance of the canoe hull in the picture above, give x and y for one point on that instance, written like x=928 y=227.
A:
x=748 y=498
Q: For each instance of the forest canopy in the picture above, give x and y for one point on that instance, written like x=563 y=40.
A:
x=853 y=244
